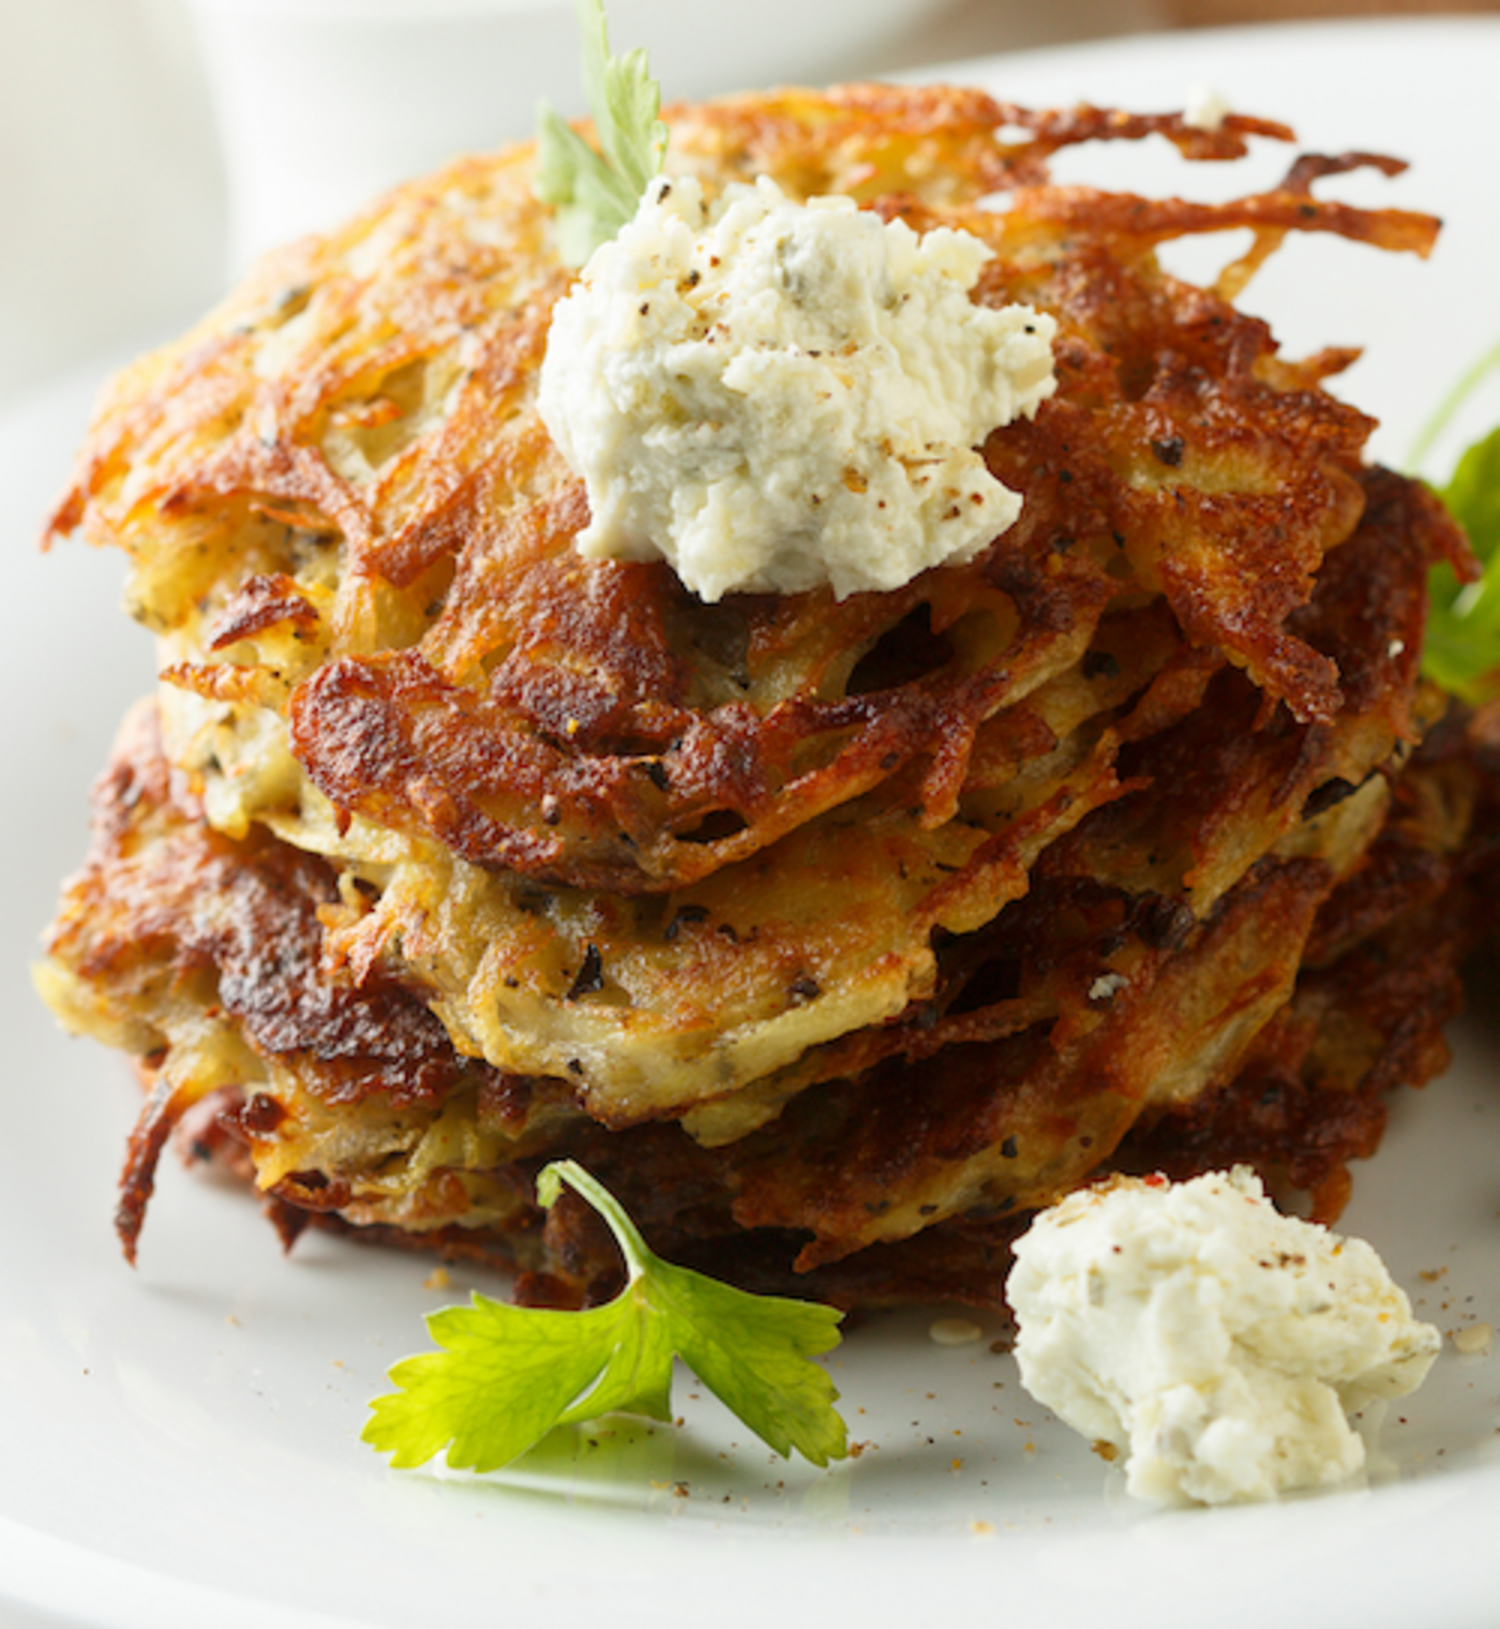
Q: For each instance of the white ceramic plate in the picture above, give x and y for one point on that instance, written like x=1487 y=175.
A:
x=179 y=1444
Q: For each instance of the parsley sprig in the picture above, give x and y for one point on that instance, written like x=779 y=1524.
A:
x=596 y=191
x=506 y=1376
x=1461 y=647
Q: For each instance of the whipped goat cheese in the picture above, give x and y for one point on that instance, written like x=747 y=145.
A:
x=774 y=395
x=1214 y=1340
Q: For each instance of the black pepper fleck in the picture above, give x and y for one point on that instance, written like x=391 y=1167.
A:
x=1099 y=664
x=590 y=977
x=683 y=917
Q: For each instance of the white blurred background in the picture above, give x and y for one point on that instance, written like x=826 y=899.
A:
x=147 y=147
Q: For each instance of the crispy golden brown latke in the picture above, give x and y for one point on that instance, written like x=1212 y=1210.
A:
x=1104 y=1001
x=833 y=936
x=1269 y=1033
x=347 y=519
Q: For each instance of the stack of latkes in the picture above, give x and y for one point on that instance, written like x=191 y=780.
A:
x=834 y=937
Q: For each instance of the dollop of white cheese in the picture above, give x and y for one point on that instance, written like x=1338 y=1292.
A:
x=1214 y=1340
x=774 y=395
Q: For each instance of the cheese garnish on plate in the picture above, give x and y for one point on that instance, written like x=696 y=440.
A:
x=1216 y=1341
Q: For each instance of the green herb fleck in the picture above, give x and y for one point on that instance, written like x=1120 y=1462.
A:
x=505 y=1376
x=596 y=191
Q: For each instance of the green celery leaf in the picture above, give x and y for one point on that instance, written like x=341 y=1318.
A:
x=624 y=100
x=505 y=1376
x=1473 y=495
x=1461 y=642
x=1461 y=650
x=596 y=192
x=752 y=1352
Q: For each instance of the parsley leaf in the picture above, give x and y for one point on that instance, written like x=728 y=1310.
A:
x=1461 y=646
x=596 y=192
x=505 y=1376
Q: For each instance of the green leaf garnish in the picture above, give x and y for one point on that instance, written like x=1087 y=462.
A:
x=1461 y=645
x=1461 y=649
x=596 y=192
x=507 y=1375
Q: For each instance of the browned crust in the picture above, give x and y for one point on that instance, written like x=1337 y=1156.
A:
x=341 y=506
x=588 y=722
x=1053 y=1101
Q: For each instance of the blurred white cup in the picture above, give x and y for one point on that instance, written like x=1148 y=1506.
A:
x=324 y=103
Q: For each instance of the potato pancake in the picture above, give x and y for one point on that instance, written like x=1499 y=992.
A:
x=835 y=934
